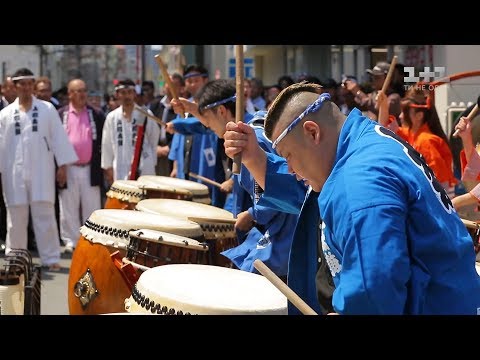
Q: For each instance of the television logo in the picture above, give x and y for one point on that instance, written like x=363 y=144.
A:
x=426 y=75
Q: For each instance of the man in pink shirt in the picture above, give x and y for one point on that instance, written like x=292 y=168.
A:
x=83 y=124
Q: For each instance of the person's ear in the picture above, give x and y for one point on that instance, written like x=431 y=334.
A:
x=312 y=131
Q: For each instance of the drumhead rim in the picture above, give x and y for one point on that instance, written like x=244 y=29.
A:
x=168 y=205
x=194 y=187
x=111 y=225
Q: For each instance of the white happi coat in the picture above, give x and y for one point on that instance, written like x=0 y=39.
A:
x=29 y=145
x=118 y=143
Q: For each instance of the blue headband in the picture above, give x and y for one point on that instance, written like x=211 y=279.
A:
x=315 y=106
x=190 y=75
x=220 y=102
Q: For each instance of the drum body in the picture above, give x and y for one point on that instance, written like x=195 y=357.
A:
x=98 y=280
x=204 y=290
x=124 y=194
x=218 y=225
x=149 y=248
x=198 y=192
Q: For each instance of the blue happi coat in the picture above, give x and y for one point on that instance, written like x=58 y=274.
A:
x=392 y=239
x=270 y=240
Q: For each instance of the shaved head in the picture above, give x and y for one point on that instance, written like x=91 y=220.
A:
x=290 y=103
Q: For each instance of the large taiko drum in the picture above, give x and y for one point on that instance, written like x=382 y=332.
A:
x=183 y=289
x=200 y=192
x=99 y=281
x=218 y=225
x=125 y=194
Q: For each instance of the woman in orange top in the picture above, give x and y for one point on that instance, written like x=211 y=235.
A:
x=421 y=128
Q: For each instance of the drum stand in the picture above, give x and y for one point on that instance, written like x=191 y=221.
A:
x=22 y=276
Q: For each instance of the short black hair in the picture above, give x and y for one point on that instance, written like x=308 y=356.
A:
x=285 y=78
x=149 y=84
x=214 y=91
x=22 y=72
x=195 y=68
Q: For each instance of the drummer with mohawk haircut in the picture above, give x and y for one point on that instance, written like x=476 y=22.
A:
x=32 y=139
x=120 y=136
x=390 y=235
x=264 y=233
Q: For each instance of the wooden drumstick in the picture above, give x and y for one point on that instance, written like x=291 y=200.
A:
x=280 y=285
x=388 y=79
x=166 y=76
x=239 y=102
x=470 y=224
x=205 y=180
x=470 y=116
x=147 y=114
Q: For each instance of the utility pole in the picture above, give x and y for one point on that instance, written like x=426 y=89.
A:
x=107 y=57
x=96 y=80
x=42 y=53
x=142 y=52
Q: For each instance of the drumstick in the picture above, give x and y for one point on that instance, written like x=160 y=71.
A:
x=166 y=76
x=470 y=224
x=280 y=285
x=240 y=101
x=204 y=179
x=147 y=114
x=388 y=79
x=470 y=116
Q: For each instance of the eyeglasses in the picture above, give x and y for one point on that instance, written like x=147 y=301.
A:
x=313 y=107
x=220 y=102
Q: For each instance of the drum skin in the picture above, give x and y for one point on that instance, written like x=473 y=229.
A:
x=107 y=278
x=181 y=189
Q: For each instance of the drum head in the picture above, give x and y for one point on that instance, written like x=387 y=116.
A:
x=200 y=191
x=186 y=210
x=111 y=226
x=205 y=290
x=126 y=190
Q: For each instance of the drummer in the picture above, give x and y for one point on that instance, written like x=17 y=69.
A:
x=267 y=233
x=219 y=165
x=390 y=236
